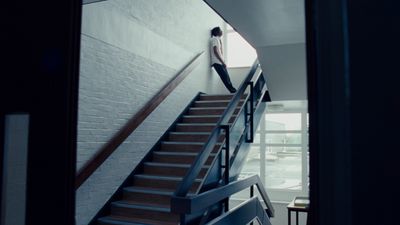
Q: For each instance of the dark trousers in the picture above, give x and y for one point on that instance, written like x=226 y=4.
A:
x=224 y=75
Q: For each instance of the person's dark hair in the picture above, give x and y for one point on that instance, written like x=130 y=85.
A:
x=215 y=31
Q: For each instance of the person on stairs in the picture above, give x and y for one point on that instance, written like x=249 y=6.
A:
x=217 y=58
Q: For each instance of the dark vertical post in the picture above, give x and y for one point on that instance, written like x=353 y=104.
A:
x=251 y=111
x=227 y=162
x=246 y=118
x=249 y=114
x=183 y=219
x=251 y=195
x=227 y=153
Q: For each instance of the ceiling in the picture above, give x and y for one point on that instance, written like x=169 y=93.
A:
x=264 y=22
x=276 y=29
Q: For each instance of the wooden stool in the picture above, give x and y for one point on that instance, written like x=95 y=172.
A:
x=296 y=208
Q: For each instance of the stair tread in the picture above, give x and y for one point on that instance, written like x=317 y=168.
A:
x=140 y=205
x=205 y=116
x=171 y=165
x=146 y=190
x=206 y=108
x=189 y=133
x=120 y=220
x=149 y=190
x=201 y=116
x=216 y=100
x=179 y=153
x=160 y=177
x=185 y=143
x=203 y=94
x=196 y=124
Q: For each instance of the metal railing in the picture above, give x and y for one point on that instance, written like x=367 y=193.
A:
x=202 y=157
x=241 y=129
x=202 y=202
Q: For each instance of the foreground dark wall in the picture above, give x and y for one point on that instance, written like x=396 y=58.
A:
x=39 y=77
x=354 y=111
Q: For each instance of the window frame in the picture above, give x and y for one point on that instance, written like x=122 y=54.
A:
x=280 y=195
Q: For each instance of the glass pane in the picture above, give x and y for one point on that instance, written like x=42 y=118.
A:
x=283 y=168
x=250 y=168
x=239 y=52
x=252 y=164
x=287 y=138
x=283 y=121
x=256 y=138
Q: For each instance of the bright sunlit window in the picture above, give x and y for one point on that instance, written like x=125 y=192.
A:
x=279 y=154
x=239 y=53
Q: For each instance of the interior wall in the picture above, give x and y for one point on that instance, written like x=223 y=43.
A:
x=129 y=50
x=285 y=69
x=237 y=75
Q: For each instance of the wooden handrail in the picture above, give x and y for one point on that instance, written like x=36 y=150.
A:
x=90 y=166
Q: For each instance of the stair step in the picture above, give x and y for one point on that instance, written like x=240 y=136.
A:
x=178 y=157
x=211 y=103
x=170 y=169
x=147 y=196
x=161 y=182
x=215 y=103
x=200 y=118
x=204 y=118
x=119 y=220
x=191 y=136
x=209 y=110
x=185 y=146
x=215 y=97
x=127 y=209
x=195 y=127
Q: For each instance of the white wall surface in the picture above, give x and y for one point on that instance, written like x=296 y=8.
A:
x=129 y=50
x=285 y=69
x=237 y=75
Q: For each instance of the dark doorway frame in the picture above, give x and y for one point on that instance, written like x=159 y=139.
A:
x=354 y=106
x=329 y=110
x=40 y=75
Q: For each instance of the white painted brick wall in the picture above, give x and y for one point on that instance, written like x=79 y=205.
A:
x=129 y=50
x=114 y=84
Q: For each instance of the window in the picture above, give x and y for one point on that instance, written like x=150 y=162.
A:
x=239 y=53
x=279 y=154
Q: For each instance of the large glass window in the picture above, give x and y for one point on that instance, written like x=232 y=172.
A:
x=279 y=154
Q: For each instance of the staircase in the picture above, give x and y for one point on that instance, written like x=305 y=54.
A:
x=146 y=198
